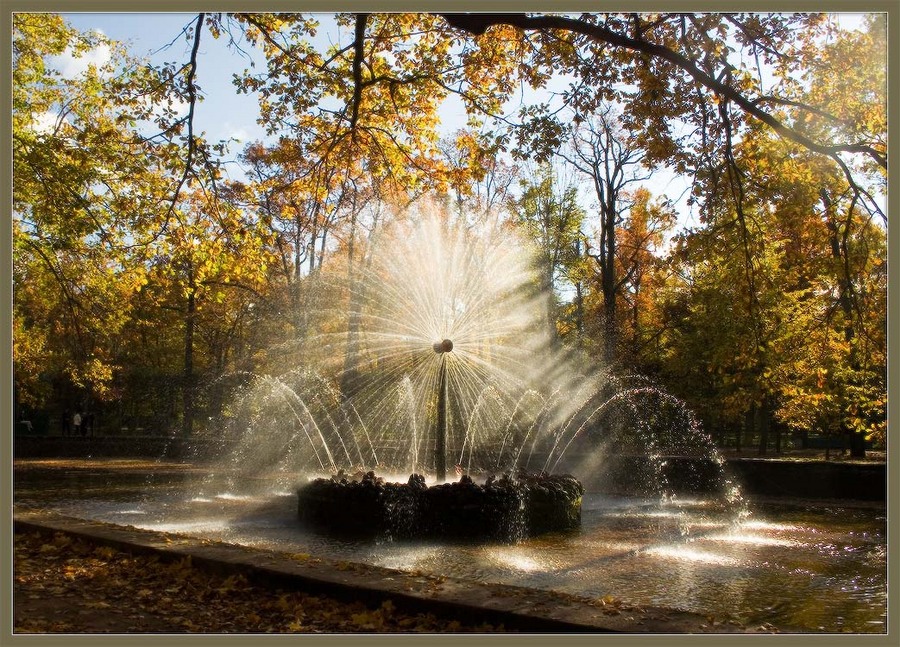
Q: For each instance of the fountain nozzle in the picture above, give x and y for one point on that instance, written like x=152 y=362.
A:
x=442 y=346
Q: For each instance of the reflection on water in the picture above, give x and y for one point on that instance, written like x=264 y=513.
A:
x=673 y=553
x=812 y=568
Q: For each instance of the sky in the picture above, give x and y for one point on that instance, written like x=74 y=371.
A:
x=224 y=114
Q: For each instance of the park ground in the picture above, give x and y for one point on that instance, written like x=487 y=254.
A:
x=66 y=585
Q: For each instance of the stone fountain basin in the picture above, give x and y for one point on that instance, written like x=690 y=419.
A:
x=504 y=509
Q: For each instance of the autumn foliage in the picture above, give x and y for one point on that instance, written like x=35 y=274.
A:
x=146 y=282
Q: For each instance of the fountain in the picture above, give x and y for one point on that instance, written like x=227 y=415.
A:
x=440 y=431
x=501 y=509
x=379 y=410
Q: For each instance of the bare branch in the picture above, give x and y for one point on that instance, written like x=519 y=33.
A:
x=192 y=101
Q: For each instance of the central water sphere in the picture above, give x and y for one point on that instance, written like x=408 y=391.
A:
x=444 y=346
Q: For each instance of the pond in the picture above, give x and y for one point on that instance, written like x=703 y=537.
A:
x=804 y=566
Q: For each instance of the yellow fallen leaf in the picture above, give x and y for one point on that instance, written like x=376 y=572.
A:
x=100 y=604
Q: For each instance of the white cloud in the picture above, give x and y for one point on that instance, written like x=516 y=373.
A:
x=179 y=107
x=851 y=21
x=45 y=122
x=71 y=66
x=240 y=133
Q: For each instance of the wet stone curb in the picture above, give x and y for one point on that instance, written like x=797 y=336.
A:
x=516 y=608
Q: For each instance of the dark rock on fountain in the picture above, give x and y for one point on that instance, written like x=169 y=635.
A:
x=504 y=509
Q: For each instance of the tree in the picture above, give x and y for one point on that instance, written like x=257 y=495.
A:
x=86 y=189
x=600 y=150
x=135 y=260
x=299 y=198
x=644 y=272
x=115 y=221
x=213 y=251
x=548 y=212
x=384 y=123
x=780 y=335
x=681 y=66
x=479 y=178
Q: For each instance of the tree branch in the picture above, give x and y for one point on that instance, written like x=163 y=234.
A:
x=358 y=55
x=477 y=24
x=192 y=101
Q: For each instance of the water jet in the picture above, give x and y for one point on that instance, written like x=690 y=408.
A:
x=506 y=509
x=454 y=374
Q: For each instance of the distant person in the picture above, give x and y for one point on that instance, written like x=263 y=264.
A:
x=66 y=420
x=76 y=423
x=88 y=424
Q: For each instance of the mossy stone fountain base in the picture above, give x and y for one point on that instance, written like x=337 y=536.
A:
x=504 y=509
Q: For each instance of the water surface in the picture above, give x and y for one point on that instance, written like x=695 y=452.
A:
x=813 y=567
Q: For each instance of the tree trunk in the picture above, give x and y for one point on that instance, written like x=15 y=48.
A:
x=217 y=390
x=608 y=283
x=750 y=422
x=857 y=445
x=579 y=309
x=846 y=300
x=579 y=299
x=551 y=308
x=764 y=421
x=296 y=280
x=187 y=417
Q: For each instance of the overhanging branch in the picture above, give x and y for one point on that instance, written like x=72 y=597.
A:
x=478 y=24
x=358 y=55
